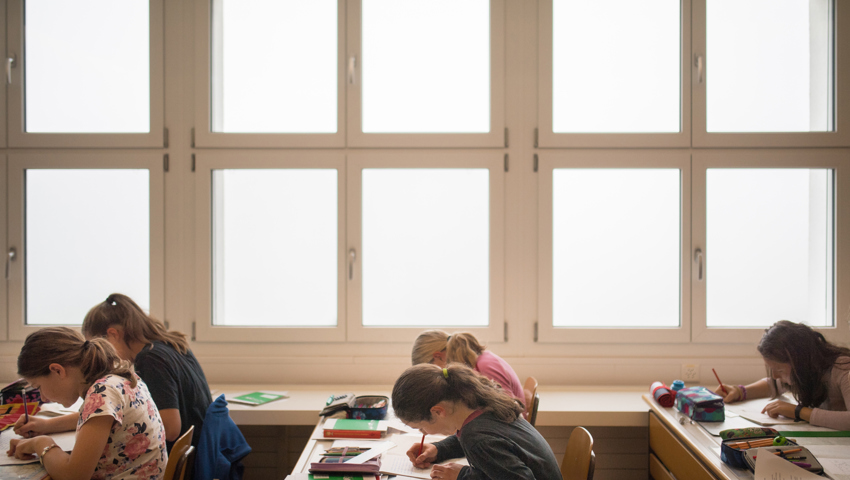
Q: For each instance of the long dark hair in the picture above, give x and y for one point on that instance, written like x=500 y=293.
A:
x=422 y=386
x=95 y=358
x=138 y=326
x=811 y=357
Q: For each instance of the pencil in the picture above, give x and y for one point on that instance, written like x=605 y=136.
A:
x=421 y=445
x=721 y=383
x=26 y=407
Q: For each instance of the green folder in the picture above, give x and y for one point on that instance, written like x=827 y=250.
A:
x=257 y=398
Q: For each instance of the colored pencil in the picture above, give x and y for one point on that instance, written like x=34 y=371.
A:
x=721 y=383
x=421 y=445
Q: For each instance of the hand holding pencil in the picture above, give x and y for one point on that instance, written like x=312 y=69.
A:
x=425 y=458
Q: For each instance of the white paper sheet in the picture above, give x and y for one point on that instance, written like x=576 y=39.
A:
x=766 y=420
x=65 y=440
x=398 y=465
x=772 y=467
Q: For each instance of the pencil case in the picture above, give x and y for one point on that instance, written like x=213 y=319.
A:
x=735 y=456
x=11 y=393
x=373 y=407
x=339 y=464
x=800 y=456
x=700 y=404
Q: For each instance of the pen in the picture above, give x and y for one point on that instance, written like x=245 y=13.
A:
x=421 y=445
x=802 y=464
x=721 y=383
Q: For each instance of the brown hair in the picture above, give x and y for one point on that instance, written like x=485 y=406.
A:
x=422 y=386
x=138 y=326
x=809 y=354
x=95 y=358
x=460 y=347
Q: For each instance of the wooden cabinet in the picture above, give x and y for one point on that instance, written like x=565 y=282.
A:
x=673 y=456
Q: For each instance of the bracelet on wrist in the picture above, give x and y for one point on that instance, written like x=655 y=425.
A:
x=44 y=452
x=797 y=412
x=743 y=392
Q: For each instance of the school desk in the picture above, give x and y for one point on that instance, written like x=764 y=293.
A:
x=687 y=451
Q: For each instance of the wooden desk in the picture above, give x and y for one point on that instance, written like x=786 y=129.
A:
x=688 y=451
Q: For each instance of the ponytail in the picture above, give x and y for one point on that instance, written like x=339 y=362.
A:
x=423 y=386
x=428 y=343
x=138 y=326
x=95 y=358
x=463 y=348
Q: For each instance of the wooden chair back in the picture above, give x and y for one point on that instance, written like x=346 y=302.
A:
x=579 y=460
x=532 y=415
x=529 y=389
x=178 y=452
x=184 y=468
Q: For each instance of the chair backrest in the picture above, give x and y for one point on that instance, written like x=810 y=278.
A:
x=535 y=404
x=579 y=459
x=529 y=389
x=178 y=451
x=183 y=470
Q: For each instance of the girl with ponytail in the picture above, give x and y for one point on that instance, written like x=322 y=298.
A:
x=491 y=433
x=799 y=360
x=119 y=431
x=440 y=348
x=161 y=358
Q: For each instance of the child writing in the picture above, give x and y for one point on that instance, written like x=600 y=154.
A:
x=440 y=348
x=491 y=434
x=799 y=360
x=119 y=431
x=161 y=358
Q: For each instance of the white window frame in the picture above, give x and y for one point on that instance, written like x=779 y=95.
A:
x=547 y=138
x=205 y=137
x=839 y=137
x=206 y=162
x=494 y=162
x=3 y=91
x=19 y=137
x=496 y=136
x=643 y=159
x=19 y=163
x=836 y=160
x=7 y=262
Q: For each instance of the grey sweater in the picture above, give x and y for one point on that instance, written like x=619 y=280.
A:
x=500 y=451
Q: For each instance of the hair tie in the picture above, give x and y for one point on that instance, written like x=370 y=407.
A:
x=448 y=338
x=86 y=344
x=446 y=373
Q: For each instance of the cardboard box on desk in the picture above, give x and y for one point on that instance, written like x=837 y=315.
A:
x=700 y=404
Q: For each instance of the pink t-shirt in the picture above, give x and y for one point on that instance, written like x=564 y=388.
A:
x=493 y=367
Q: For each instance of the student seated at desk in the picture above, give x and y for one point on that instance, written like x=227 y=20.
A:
x=161 y=357
x=119 y=432
x=440 y=348
x=498 y=443
x=800 y=360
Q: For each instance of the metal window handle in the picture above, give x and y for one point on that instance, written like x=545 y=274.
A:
x=352 y=256
x=9 y=259
x=698 y=259
x=351 y=64
x=11 y=62
x=698 y=62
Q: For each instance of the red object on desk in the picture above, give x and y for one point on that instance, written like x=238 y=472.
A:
x=720 y=383
x=11 y=412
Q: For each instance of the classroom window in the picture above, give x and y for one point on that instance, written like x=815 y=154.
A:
x=274 y=66
x=769 y=246
x=87 y=66
x=616 y=247
x=87 y=235
x=275 y=242
x=426 y=247
x=769 y=66
x=616 y=66
x=426 y=66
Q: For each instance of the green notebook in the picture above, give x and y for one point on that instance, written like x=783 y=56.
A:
x=351 y=424
x=257 y=398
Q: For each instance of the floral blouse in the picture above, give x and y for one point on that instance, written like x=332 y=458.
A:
x=136 y=445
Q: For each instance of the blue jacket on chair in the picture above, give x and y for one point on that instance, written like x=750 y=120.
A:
x=221 y=446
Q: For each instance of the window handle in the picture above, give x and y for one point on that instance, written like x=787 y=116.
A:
x=698 y=62
x=11 y=62
x=352 y=256
x=9 y=259
x=698 y=259
x=351 y=63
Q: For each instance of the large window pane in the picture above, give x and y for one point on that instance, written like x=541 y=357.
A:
x=769 y=66
x=87 y=235
x=274 y=66
x=769 y=246
x=275 y=247
x=426 y=247
x=426 y=66
x=616 y=247
x=87 y=66
x=616 y=66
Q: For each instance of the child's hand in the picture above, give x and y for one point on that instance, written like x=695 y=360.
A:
x=34 y=427
x=429 y=454
x=734 y=395
x=778 y=407
x=24 y=448
x=449 y=471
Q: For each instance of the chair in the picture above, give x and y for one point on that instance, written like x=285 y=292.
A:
x=579 y=460
x=178 y=455
x=535 y=403
x=529 y=389
x=185 y=465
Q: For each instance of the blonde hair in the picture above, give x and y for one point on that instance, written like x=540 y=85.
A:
x=138 y=326
x=95 y=358
x=460 y=347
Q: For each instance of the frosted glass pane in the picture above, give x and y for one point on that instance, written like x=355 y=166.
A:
x=87 y=66
x=87 y=235
x=616 y=66
x=275 y=247
x=426 y=247
x=274 y=66
x=769 y=248
x=769 y=66
x=616 y=247
x=426 y=66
